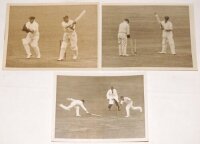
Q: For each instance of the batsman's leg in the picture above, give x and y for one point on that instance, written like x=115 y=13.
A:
x=62 y=50
x=120 y=45
x=125 y=46
x=171 y=44
x=25 y=43
x=74 y=47
x=34 y=45
x=120 y=48
x=164 y=45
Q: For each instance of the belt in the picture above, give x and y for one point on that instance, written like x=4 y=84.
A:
x=122 y=32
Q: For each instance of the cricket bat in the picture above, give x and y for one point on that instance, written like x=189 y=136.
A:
x=157 y=17
x=95 y=115
x=80 y=15
x=77 y=18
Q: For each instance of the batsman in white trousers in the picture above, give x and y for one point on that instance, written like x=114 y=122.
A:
x=129 y=105
x=167 y=34
x=69 y=38
x=32 y=37
x=123 y=34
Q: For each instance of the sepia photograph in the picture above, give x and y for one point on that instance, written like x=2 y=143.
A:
x=51 y=36
x=100 y=108
x=148 y=36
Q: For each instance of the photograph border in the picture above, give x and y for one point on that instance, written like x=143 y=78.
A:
x=4 y=67
x=146 y=139
x=192 y=37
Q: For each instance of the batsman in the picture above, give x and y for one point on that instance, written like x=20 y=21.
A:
x=69 y=37
x=167 y=34
x=123 y=34
x=32 y=37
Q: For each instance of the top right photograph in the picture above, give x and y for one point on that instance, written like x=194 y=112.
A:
x=148 y=37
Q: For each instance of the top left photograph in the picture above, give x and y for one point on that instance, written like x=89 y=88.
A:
x=51 y=36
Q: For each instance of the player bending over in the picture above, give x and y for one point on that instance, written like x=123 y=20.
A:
x=129 y=105
x=112 y=97
x=32 y=37
x=76 y=104
x=69 y=37
x=167 y=34
x=123 y=34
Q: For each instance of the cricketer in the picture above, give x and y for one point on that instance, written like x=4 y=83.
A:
x=129 y=105
x=32 y=37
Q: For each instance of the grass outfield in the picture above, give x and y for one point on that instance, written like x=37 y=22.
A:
x=51 y=62
x=146 y=31
x=111 y=125
x=51 y=32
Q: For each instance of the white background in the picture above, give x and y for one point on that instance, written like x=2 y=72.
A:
x=26 y=97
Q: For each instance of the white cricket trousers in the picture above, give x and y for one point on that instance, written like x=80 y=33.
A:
x=167 y=38
x=68 y=38
x=31 y=40
x=130 y=106
x=122 y=41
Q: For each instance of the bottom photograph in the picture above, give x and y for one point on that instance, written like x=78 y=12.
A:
x=100 y=108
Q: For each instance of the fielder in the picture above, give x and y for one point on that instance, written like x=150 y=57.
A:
x=76 y=104
x=129 y=105
x=69 y=37
x=32 y=37
x=112 y=97
x=123 y=34
x=167 y=34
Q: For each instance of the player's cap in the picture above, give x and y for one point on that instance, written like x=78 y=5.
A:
x=66 y=16
x=32 y=17
x=166 y=17
x=127 y=20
